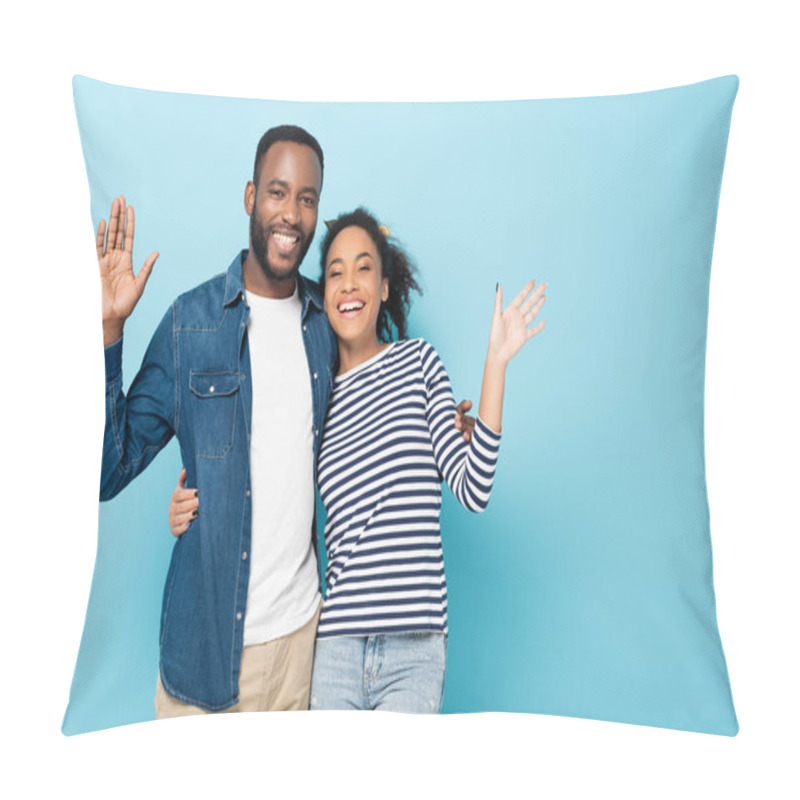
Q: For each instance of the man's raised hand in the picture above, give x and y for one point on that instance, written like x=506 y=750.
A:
x=121 y=289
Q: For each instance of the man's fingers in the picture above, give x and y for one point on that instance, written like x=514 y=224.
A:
x=182 y=478
x=101 y=238
x=461 y=410
x=113 y=225
x=119 y=232
x=127 y=244
x=144 y=272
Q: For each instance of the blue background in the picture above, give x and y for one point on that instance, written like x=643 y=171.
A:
x=586 y=588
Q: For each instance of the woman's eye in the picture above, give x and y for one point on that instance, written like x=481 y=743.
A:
x=334 y=274
x=364 y=268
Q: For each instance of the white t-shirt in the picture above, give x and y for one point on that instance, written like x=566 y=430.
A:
x=283 y=592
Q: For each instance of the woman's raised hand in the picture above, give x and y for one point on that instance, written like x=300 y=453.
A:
x=510 y=330
x=183 y=506
x=121 y=289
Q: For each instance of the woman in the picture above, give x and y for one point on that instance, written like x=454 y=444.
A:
x=387 y=442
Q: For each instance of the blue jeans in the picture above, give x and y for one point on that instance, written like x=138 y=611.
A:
x=387 y=672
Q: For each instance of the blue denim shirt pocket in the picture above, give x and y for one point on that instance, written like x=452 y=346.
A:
x=214 y=408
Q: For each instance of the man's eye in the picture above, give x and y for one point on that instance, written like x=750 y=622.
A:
x=276 y=192
x=309 y=202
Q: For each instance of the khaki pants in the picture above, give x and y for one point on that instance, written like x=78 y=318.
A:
x=274 y=676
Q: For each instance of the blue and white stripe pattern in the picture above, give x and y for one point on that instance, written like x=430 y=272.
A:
x=388 y=441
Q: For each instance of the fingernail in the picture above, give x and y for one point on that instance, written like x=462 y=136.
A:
x=195 y=492
x=497 y=286
x=195 y=513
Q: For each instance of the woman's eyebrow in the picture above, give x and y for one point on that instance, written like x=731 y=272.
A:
x=341 y=260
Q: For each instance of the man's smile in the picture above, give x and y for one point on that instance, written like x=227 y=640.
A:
x=286 y=241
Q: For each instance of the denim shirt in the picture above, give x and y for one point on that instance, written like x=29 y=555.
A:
x=195 y=383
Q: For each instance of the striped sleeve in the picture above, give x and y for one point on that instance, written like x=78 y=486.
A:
x=468 y=468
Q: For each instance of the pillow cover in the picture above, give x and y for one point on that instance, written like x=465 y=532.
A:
x=585 y=589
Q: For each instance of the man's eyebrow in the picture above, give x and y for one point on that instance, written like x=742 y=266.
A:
x=284 y=185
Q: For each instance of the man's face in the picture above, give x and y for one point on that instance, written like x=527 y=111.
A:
x=283 y=210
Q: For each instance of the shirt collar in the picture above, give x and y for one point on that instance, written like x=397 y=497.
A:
x=307 y=290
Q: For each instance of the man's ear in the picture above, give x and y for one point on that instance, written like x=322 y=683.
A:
x=249 y=197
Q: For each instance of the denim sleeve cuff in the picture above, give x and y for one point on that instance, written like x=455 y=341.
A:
x=113 y=356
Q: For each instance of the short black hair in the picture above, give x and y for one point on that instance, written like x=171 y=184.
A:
x=286 y=133
x=396 y=265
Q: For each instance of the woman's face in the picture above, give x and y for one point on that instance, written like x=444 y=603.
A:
x=354 y=286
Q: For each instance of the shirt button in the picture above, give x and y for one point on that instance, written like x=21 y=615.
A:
x=315 y=431
x=238 y=615
x=248 y=493
x=244 y=556
x=315 y=376
x=305 y=328
x=243 y=324
x=211 y=390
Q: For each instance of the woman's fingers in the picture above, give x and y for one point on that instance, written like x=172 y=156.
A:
x=184 y=506
x=517 y=301
x=531 y=315
x=532 y=299
x=181 y=515
x=185 y=503
x=536 y=328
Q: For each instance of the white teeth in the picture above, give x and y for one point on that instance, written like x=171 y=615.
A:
x=354 y=306
x=285 y=239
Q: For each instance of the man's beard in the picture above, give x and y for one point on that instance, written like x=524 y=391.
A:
x=259 y=238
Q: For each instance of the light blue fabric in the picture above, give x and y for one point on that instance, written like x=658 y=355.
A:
x=586 y=588
x=401 y=672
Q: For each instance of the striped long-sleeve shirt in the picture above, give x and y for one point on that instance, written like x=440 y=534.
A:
x=388 y=441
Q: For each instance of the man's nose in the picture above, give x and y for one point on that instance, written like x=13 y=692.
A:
x=290 y=211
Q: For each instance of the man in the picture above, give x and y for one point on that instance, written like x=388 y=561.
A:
x=240 y=370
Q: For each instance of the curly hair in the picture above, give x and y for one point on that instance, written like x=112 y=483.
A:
x=396 y=265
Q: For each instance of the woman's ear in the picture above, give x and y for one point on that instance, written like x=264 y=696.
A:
x=385 y=290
